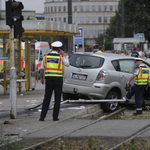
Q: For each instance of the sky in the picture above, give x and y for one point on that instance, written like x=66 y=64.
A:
x=35 y=5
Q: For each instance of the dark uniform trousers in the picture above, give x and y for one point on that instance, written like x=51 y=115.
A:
x=138 y=91
x=51 y=84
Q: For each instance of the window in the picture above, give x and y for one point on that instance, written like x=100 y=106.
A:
x=64 y=19
x=55 y=8
x=75 y=8
x=127 y=66
x=87 y=8
x=51 y=9
x=87 y=33
x=59 y=19
x=59 y=8
x=105 y=8
x=111 y=8
x=55 y=19
x=99 y=19
x=86 y=61
x=41 y=57
x=93 y=8
x=94 y=33
x=64 y=8
x=105 y=19
x=81 y=19
x=93 y=19
x=100 y=32
x=87 y=19
x=81 y=8
x=116 y=7
x=51 y=19
x=99 y=8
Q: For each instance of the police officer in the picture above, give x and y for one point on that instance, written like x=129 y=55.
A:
x=52 y=64
x=101 y=50
x=141 y=76
x=135 y=53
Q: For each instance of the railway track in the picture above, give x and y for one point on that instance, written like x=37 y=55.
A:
x=41 y=144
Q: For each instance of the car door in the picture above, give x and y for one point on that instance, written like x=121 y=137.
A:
x=127 y=68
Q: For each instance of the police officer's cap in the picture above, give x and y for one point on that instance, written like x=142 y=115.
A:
x=138 y=59
x=57 y=44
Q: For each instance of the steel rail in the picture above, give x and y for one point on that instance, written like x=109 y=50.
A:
x=36 y=146
x=134 y=135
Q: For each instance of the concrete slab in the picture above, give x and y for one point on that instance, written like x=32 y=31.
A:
x=112 y=128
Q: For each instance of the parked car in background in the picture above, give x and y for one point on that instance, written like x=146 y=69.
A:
x=99 y=76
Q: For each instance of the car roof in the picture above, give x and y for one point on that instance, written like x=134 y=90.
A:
x=110 y=56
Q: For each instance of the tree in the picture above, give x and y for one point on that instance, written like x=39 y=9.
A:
x=1 y=17
x=136 y=19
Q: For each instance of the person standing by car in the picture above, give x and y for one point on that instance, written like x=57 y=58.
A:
x=101 y=50
x=141 y=76
x=52 y=64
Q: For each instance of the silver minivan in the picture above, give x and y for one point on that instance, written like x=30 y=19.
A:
x=99 y=76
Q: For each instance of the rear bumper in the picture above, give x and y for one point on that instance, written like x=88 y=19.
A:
x=95 y=91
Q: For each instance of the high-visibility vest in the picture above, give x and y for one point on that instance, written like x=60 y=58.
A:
x=142 y=77
x=53 y=65
x=99 y=52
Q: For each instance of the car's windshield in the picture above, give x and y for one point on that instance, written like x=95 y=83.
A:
x=86 y=61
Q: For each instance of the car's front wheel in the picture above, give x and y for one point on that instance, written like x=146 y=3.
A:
x=111 y=106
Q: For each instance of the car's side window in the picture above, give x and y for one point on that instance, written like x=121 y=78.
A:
x=127 y=66
x=116 y=65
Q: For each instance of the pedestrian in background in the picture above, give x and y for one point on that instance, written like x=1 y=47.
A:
x=140 y=52
x=52 y=64
x=101 y=50
x=141 y=76
x=135 y=53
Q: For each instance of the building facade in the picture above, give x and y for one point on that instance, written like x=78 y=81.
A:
x=92 y=15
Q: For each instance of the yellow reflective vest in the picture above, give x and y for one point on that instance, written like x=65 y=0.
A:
x=99 y=52
x=142 y=77
x=53 y=65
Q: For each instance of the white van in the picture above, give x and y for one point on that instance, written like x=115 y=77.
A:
x=41 y=48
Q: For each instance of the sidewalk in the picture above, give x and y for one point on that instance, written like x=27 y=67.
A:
x=27 y=121
x=27 y=124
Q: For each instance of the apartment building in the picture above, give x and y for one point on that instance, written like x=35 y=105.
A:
x=93 y=15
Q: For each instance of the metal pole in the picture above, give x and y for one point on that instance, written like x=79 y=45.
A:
x=70 y=38
x=13 y=94
x=122 y=18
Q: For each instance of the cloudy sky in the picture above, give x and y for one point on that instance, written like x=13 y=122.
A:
x=37 y=5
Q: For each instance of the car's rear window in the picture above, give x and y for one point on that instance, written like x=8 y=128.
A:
x=86 y=61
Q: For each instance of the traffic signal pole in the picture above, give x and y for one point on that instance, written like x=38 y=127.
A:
x=13 y=92
x=14 y=19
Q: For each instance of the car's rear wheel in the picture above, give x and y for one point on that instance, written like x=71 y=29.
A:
x=111 y=106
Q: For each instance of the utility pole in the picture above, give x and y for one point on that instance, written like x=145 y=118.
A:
x=70 y=38
x=122 y=18
x=122 y=21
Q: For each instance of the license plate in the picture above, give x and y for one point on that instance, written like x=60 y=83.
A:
x=79 y=76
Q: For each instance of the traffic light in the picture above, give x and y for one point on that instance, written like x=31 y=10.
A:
x=14 y=16
x=76 y=46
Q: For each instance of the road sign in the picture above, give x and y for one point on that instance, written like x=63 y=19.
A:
x=139 y=35
x=78 y=39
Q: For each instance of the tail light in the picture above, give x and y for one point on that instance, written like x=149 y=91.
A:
x=101 y=75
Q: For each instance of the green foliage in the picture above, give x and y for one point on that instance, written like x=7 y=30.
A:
x=136 y=20
x=28 y=18
x=1 y=17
